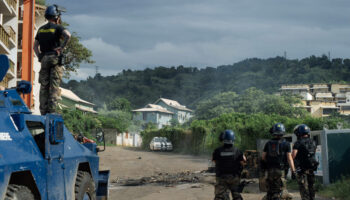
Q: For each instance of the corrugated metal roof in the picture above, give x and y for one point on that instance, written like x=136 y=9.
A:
x=324 y=95
x=72 y=96
x=155 y=106
x=174 y=104
x=345 y=86
x=343 y=104
x=296 y=88
x=163 y=110
x=84 y=108
x=330 y=107
x=340 y=95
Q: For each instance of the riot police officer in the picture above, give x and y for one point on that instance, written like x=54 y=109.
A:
x=276 y=153
x=229 y=161
x=304 y=151
x=49 y=48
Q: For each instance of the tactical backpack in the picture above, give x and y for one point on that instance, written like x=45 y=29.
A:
x=307 y=157
x=275 y=156
x=228 y=162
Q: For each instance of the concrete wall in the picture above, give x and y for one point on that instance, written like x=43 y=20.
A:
x=111 y=136
x=345 y=110
x=316 y=110
x=299 y=86
x=339 y=88
x=128 y=139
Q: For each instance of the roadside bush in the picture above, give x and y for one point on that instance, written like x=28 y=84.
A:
x=202 y=136
x=78 y=122
x=338 y=190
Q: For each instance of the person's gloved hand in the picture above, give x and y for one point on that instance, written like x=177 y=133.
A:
x=294 y=175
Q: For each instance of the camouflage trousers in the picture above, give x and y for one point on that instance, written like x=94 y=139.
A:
x=306 y=182
x=276 y=185
x=50 y=77
x=225 y=183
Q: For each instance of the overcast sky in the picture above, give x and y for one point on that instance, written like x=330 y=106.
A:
x=135 y=34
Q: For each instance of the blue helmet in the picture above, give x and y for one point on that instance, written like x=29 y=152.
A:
x=51 y=12
x=228 y=137
x=301 y=130
x=278 y=129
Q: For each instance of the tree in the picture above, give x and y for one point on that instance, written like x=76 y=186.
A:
x=191 y=86
x=216 y=106
x=174 y=122
x=40 y=2
x=76 y=53
x=119 y=104
x=250 y=101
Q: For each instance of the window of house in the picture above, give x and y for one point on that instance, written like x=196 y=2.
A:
x=144 y=116
x=347 y=108
x=328 y=111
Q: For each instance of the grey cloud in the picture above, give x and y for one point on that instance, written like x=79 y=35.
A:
x=136 y=34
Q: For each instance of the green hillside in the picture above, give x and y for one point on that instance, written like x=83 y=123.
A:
x=189 y=85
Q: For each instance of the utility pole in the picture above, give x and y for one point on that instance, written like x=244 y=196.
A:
x=285 y=55
x=97 y=68
x=329 y=55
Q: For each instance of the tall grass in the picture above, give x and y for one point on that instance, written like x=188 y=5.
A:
x=339 y=190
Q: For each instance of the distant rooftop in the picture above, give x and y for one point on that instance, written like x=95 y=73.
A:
x=72 y=96
x=324 y=95
x=153 y=108
x=173 y=104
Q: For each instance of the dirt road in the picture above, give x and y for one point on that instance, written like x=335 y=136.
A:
x=128 y=164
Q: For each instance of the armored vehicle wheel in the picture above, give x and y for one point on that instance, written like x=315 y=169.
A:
x=18 y=192
x=84 y=187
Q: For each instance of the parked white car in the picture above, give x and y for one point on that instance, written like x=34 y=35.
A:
x=160 y=144
x=167 y=144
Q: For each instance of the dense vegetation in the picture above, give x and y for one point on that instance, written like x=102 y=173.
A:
x=78 y=122
x=250 y=114
x=189 y=85
x=251 y=100
x=337 y=190
x=202 y=135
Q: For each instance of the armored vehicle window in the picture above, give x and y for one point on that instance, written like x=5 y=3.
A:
x=37 y=129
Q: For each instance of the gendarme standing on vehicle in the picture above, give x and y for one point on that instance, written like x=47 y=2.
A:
x=49 y=43
x=304 y=151
x=276 y=154
x=229 y=161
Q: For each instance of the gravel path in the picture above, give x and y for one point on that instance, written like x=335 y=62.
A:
x=128 y=163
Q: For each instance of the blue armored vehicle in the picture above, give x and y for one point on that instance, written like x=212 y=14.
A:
x=39 y=157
